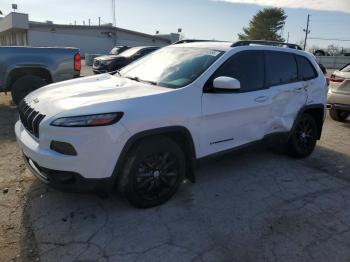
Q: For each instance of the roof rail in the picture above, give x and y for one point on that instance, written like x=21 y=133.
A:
x=185 y=41
x=263 y=42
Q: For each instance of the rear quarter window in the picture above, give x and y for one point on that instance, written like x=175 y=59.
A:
x=281 y=68
x=306 y=69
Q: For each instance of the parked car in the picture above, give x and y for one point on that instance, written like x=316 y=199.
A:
x=143 y=129
x=110 y=63
x=24 y=69
x=339 y=94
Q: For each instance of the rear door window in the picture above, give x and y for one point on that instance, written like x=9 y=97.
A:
x=281 y=68
x=306 y=69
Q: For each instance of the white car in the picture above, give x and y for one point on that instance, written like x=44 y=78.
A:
x=144 y=129
x=339 y=94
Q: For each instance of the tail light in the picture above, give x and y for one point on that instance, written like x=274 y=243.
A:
x=336 y=79
x=77 y=62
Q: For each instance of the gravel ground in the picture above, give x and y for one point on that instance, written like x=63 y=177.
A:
x=252 y=205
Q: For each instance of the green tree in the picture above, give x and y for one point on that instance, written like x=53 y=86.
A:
x=265 y=25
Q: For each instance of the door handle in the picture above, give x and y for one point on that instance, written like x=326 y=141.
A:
x=261 y=99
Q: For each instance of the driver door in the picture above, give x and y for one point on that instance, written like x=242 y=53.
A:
x=231 y=118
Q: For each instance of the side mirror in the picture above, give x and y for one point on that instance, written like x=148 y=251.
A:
x=224 y=82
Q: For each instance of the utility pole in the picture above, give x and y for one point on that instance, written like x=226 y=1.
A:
x=114 y=22
x=307 y=31
x=99 y=21
x=89 y=22
x=288 y=38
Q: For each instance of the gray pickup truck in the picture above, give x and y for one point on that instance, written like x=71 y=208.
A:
x=24 y=69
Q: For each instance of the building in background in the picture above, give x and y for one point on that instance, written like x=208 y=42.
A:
x=17 y=30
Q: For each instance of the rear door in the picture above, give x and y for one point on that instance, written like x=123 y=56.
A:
x=309 y=77
x=290 y=93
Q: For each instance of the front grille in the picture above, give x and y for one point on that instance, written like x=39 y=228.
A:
x=30 y=118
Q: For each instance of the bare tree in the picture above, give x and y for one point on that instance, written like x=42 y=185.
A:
x=333 y=50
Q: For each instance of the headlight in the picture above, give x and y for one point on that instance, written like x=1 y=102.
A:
x=88 y=120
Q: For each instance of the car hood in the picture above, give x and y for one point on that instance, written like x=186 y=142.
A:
x=88 y=94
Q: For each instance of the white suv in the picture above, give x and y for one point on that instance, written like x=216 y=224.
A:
x=143 y=129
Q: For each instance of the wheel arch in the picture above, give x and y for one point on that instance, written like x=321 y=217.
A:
x=17 y=73
x=179 y=134
x=317 y=111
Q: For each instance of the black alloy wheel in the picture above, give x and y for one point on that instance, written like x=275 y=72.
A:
x=154 y=170
x=304 y=137
x=156 y=176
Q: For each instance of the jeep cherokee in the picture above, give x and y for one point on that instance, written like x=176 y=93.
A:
x=143 y=129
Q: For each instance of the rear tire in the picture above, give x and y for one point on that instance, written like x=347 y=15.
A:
x=338 y=115
x=24 y=85
x=153 y=172
x=303 y=139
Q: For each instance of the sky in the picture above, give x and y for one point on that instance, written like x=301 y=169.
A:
x=200 y=19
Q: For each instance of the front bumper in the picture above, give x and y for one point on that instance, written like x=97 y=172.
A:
x=68 y=181
x=91 y=170
x=100 y=69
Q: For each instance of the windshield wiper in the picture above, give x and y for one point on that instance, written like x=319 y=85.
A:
x=148 y=82
x=135 y=78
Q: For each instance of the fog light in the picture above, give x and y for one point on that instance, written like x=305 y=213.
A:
x=63 y=148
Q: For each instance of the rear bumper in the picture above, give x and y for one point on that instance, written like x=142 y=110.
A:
x=338 y=101
x=341 y=107
x=68 y=181
x=338 y=98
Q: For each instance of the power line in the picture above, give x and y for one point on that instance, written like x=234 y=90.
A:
x=329 y=39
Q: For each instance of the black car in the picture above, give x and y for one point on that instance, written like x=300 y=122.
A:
x=109 y=63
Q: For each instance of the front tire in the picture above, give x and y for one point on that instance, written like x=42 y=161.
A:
x=154 y=170
x=338 y=115
x=24 y=85
x=303 y=138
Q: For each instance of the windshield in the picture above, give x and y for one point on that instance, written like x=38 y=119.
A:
x=172 y=67
x=130 y=52
x=115 y=51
